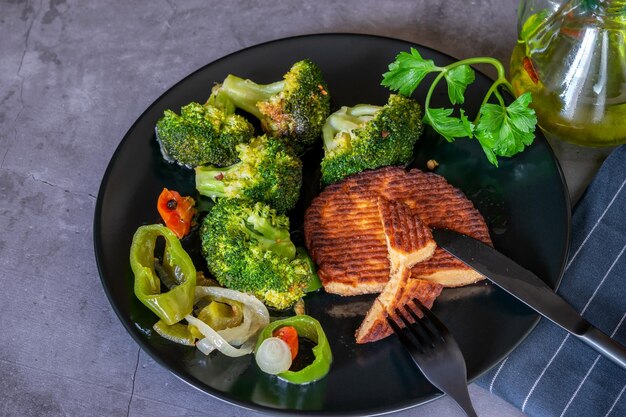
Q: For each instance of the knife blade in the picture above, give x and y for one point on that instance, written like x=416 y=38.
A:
x=529 y=289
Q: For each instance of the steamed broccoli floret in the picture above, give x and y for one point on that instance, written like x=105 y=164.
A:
x=369 y=137
x=268 y=171
x=248 y=248
x=294 y=108
x=202 y=134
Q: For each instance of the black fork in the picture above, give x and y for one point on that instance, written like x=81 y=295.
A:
x=435 y=352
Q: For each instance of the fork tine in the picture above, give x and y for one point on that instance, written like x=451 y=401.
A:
x=422 y=323
x=394 y=326
x=418 y=330
x=404 y=339
x=443 y=330
x=404 y=320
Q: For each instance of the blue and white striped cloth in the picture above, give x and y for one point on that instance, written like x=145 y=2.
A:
x=552 y=374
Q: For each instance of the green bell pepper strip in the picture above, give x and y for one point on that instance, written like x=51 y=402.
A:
x=314 y=283
x=173 y=305
x=309 y=328
x=177 y=333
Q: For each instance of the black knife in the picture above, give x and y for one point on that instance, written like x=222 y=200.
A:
x=529 y=289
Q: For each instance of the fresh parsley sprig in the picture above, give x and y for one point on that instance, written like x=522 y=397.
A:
x=501 y=130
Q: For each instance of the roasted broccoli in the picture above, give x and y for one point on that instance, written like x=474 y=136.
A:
x=248 y=248
x=203 y=134
x=293 y=109
x=369 y=137
x=268 y=171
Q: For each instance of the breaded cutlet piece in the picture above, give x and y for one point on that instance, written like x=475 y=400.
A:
x=345 y=237
x=374 y=327
x=409 y=241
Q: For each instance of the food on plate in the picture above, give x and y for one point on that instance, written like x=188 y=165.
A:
x=289 y=335
x=368 y=231
x=293 y=108
x=218 y=313
x=432 y=164
x=371 y=233
x=276 y=353
x=273 y=356
x=176 y=211
x=345 y=237
x=502 y=130
x=268 y=171
x=236 y=340
x=177 y=333
x=202 y=134
x=177 y=272
x=219 y=318
x=232 y=332
x=368 y=137
x=409 y=241
x=248 y=247
x=374 y=326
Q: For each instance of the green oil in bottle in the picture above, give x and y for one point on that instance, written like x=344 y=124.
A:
x=574 y=64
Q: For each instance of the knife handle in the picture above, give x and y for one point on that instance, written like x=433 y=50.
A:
x=605 y=345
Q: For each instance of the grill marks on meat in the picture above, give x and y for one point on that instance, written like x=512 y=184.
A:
x=374 y=327
x=371 y=234
x=409 y=241
x=346 y=240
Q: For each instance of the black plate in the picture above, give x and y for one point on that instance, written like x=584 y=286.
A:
x=525 y=202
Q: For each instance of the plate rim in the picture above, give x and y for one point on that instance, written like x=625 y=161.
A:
x=224 y=397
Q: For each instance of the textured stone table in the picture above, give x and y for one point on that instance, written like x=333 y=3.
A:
x=73 y=78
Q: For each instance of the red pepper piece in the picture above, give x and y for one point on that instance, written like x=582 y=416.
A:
x=530 y=70
x=289 y=335
x=177 y=211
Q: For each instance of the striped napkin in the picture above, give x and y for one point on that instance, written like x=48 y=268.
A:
x=552 y=374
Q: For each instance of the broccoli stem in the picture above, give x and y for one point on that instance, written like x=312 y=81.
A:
x=347 y=119
x=245 y=94
x=270 y=237
x=210 y=180
x=220 y=101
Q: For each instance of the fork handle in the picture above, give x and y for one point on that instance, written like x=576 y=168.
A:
x=469 y=411
x=462 y=398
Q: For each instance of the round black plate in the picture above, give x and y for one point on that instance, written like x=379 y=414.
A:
x=525 y=203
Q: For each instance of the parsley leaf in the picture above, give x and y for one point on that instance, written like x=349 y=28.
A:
x=491 y=157
x=450 y=128
x=500 y=130
x=525 y=118
x=458 y=78
x=506 y=131
x=407 y=71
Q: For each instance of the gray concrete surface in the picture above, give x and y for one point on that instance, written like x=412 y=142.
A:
x=74 y=75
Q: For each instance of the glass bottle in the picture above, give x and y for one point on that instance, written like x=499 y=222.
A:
x=571 y=56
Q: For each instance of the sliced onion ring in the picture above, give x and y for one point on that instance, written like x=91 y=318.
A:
x=273 y=356
x=255 y=314
x=213 y=338
x=255 y=317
